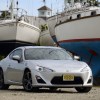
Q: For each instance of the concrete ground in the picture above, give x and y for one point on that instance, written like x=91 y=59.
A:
x=17 y=93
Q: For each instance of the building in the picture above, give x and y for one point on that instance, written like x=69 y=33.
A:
x=44 y=12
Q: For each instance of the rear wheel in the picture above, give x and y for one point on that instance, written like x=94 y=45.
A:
x=27 y=81
x=2 y=85
x=53 y=88
x=83 y=89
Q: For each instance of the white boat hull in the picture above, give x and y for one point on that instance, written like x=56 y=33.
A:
x=19 y=31
x=81 y=29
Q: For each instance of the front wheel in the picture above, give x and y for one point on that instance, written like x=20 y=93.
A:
x=53 y=88
x=83 y=89
x=27 y=81
x=2 y=85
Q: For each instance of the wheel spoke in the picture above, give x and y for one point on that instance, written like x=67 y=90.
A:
x=28 y=85
x=28 y=75
x=25 y=80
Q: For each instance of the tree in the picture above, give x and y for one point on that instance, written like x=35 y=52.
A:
x=44 y=27
x=5 y=14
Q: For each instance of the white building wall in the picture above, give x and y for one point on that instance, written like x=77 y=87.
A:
x=44 y=13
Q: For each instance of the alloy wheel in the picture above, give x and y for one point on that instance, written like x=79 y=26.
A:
x=27 y=81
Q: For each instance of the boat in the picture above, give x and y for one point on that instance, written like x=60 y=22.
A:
x=15 y=29
x=78 y=32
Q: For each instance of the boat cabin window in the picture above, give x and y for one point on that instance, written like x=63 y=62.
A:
x=70 y=18
x=93 y=13
x=78 y=16
x=60 y=21
x=48 y=13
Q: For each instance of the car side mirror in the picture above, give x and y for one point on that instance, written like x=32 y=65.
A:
x=17 y=58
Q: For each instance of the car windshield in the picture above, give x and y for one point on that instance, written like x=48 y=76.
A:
x=46 y=54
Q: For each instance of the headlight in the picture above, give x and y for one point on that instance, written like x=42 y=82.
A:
x=85 y=69
x=43 y=69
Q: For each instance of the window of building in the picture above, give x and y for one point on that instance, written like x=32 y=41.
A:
x=42 y=13
x=48 y=13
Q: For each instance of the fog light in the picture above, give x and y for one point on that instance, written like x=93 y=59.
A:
x=90 y=80
x=40 y=80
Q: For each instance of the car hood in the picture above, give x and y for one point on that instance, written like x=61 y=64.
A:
x=61 y=65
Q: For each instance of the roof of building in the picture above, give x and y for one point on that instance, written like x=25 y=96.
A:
x=44 y=8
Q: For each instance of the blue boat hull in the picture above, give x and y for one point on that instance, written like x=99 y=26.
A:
x=89 y=51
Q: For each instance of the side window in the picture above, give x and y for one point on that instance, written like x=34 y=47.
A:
x=16 y=52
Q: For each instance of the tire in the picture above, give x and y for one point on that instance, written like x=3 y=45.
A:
x=27 y=81
x=53 y=88
x=83 y=89
x=2 y=85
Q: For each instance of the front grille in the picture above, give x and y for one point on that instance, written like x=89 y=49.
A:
x=58 y=80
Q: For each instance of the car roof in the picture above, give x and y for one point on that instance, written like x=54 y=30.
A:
x=27 y=47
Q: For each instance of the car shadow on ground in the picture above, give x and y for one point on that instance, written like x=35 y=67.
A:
x=41 y=91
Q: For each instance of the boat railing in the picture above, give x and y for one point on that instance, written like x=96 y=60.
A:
x=18 y=14
x=69 y=14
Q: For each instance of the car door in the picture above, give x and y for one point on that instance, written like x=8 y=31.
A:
x=15 y=68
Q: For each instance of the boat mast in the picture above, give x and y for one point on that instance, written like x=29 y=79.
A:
x=12 y=9
x=44 y=1
x=65 y=2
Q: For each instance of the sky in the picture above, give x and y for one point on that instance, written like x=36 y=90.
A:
x=31 y=6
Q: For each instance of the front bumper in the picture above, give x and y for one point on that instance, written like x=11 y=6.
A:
x=55 y=79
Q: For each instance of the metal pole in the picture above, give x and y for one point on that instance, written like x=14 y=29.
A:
x=12 y=7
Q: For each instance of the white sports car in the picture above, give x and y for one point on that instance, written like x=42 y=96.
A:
x=35 y=67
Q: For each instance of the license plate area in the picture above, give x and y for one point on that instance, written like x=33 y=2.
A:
x=67 y=77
